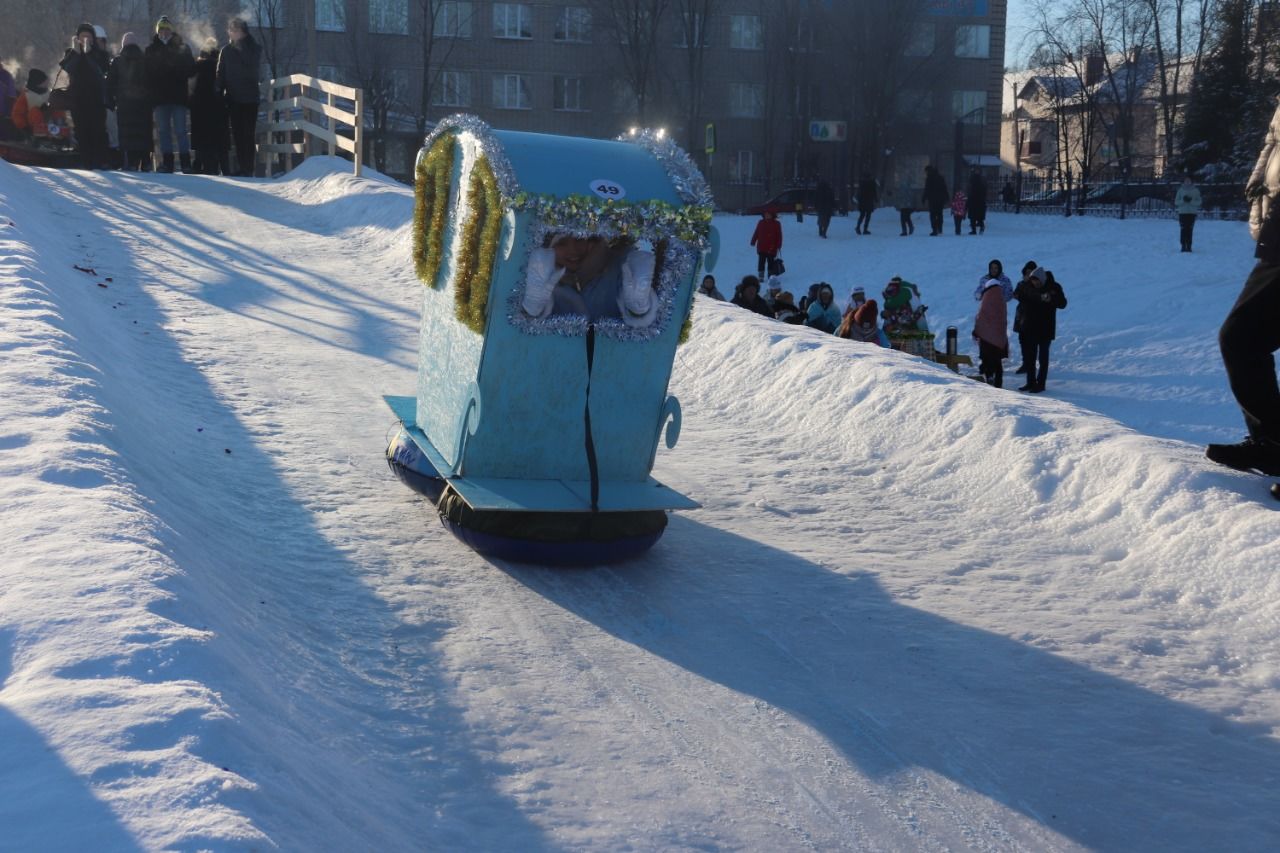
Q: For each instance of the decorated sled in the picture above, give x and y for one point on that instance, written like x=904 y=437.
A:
x=535 y=435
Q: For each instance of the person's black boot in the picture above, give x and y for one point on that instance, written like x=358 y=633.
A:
x=185 y=159
x=1252 y=454
x=166 y=166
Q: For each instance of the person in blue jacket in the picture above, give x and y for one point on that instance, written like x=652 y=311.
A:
x=823 y=313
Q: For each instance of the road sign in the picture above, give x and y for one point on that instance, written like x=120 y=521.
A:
x=828 y=131
x=711 y=138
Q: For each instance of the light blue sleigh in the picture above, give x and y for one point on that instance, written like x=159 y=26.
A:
x=515 y=414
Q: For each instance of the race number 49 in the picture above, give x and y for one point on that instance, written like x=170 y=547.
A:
x=608 y=189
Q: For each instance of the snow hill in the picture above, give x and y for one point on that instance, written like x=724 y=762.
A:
x=915 y=612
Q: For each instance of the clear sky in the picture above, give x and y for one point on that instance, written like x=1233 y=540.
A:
x=1019 y=22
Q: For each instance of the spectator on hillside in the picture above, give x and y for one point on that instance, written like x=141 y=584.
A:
x=113 y=128
x=747 y=295
x=1040 y=298
x=784 y=309
x=169 y=66
x=995 y=272
x=708 y=288
x=990 y=328
x=1027 y=269
x=8 y=95
x=868 y=200
x=862 y=324
x=130 y=96
x=238 y=65
x=210 y=133
x=28 y=113
x=823 y=313
x=86 y=66
x=977 y=203
x=1250 y=335
x=767 y=238
x=1187 y=203
x=935 y=198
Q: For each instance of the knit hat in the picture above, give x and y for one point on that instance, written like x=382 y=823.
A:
x=867 y=313
x=99 y=32
x=785 y=298
x=163 y=23
x=129 y=38
x=749 y=281
x=37 y=81
x=1028 y=267
x=86 y=28
x=1038 y=272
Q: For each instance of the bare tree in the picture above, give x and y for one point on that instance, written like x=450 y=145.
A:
x=440 y=23
x=636 y=25
x=1180 y=32
x=692 y=20
x=279 y=44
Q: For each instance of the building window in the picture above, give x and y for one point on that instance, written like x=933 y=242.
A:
x=511 y=92
x=913 y=105
x=570 y=94
x=331 y=16
x=453 y=89
x=453 y=19
x=693 y=31
x=512 y=21
x=389 y=16
x=742 y=167
x=969 y=106
x=1032 y=147
x=920 y=40
x=746 y=100
x=973 y=41
x=624 y=98
x=332 y=73
x=574 y=24
x=746 y=32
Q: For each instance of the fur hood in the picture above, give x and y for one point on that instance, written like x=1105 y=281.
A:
x=36 y=99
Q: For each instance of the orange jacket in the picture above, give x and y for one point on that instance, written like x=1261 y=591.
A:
x=29 y=116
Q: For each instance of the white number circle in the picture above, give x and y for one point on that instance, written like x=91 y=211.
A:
x=606 y=188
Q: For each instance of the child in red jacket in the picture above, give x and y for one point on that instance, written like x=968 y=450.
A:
x=768 y=242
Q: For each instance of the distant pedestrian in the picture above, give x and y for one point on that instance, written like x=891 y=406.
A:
x=767 y=238
x=959 y=206
x=977 y=203
x=210 y=133
x=990 y=328
x=238 y=80
x=935 y=198
x=825 y=204
x=1027 y=269
x=904 y=195
x=1188 y=205
x=1008 y=194
x=868 y=200
x=86 y=65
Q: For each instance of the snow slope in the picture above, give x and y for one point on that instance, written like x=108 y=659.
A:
x=915 y=612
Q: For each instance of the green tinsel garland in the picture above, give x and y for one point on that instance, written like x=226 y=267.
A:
x=478 y=247
x=689 y=223
x=431 y=200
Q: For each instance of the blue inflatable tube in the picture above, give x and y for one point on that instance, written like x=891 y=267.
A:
x=544 y=538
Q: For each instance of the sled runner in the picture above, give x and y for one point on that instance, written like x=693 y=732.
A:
x=535 y=432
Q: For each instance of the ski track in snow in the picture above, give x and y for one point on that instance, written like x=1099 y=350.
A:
x=915 y=613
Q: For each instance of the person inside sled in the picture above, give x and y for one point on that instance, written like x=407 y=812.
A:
x=902 y=312
x=591 y=277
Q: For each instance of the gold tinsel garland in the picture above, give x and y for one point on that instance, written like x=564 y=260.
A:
x=431 y=201
x=478 y=247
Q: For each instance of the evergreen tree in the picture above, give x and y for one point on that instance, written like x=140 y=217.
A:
x=1221 y=97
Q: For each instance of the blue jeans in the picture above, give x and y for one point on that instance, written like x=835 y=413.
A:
x=171 y=119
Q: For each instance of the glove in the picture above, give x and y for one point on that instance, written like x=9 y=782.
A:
x=542 y=276
x=637 y=301
x=1255 y=190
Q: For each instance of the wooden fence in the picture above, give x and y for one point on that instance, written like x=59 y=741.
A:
x=310 y=108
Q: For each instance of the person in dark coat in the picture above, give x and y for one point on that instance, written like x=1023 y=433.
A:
x=129 y=95
x=86 y=65
x=825 y=204
x=868 y=200
x=210 y=132
x=1040 y=298
x=747 y=295
x=977 y=203
x=8 y=95
x=1250 y=335
x=1008 y=194
x=169 y=66
x=237 y=80
x=990 y=329
x=935 y=198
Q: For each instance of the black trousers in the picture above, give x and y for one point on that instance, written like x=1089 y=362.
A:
x=1035 y=355
x=1248 y=337
x=762 y=270
x=864 y=220
x=1186 y=224
x=244 y=120
x=91 y=135
x=824 y=221
x=904 y=219
x=990 y=363
x=935 y=220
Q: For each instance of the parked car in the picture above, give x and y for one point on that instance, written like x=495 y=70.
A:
x=785 y=202
x=1046 y=198
x=1135 y=193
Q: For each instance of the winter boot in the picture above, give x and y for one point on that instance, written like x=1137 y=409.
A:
x=184 y=159
x=1252 y=454
x=166 y=165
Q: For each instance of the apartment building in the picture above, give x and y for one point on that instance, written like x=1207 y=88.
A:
x=764 y=94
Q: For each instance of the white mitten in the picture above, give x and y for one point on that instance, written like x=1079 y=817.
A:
x=541 y=277
x=637 y=301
